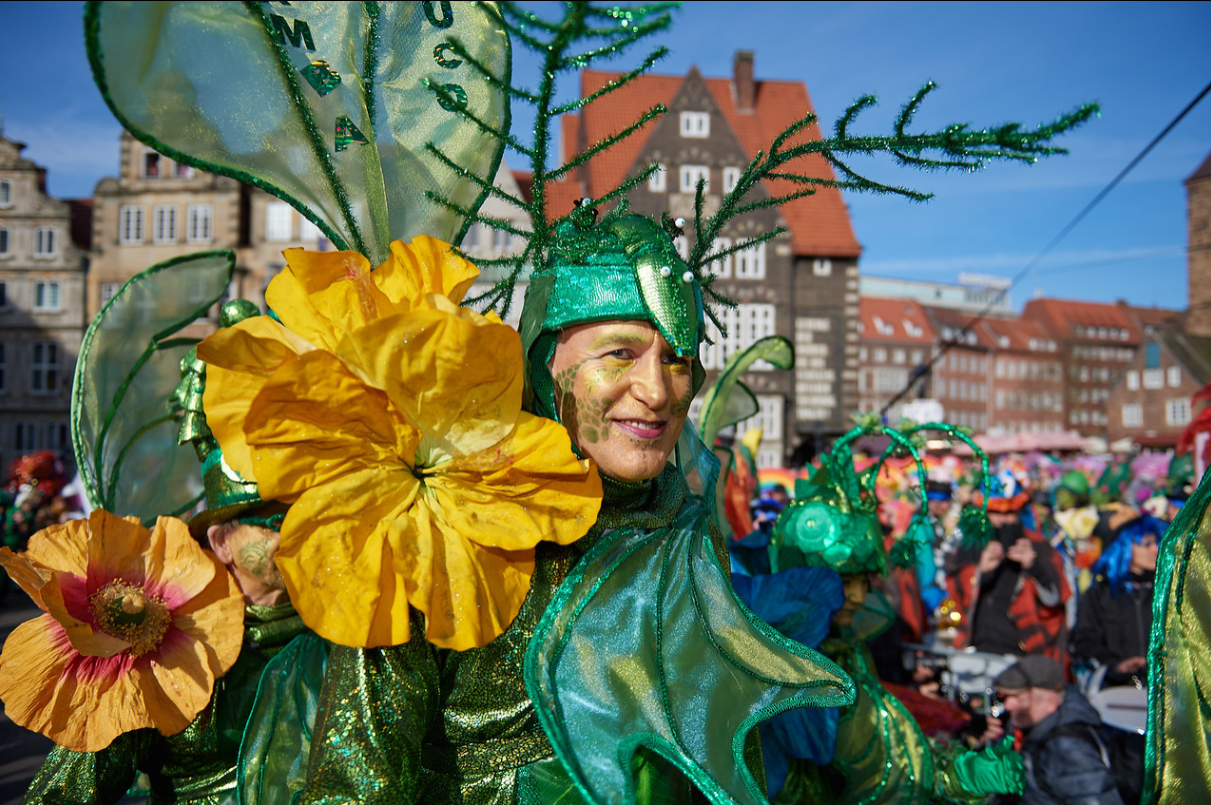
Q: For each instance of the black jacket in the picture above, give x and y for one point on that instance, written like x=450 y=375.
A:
x=1112 y=628
x=1066 y=769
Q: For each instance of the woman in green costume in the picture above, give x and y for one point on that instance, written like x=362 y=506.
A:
x=631 y=673
x=881 y=754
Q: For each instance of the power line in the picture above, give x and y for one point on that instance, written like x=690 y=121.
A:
x=923 y=370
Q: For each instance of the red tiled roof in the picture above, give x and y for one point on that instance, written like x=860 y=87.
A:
x=887 y=319
x=819 y=224
x=1018 y=333
x=956 y=320
x=1061 y=316
x=1150 y=316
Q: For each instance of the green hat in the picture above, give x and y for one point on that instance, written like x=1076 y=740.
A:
x=623 y=268
x=819 y=533
x=1075 y=482
x=1180 y=477
x=1113 y=481
x=228 y=495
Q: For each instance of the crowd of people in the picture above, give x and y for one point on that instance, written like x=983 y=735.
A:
x=1050 y=608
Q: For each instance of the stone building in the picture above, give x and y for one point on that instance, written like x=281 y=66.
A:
x=802 y=285
x=156 y=209
x=42 y=310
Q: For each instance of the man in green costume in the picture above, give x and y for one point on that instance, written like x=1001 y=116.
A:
x=200 y=765
x=631 y=672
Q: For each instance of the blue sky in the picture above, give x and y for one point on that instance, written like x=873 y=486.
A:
x=994 y=62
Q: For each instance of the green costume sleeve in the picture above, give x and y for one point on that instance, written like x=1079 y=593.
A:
x=89 y=778
x=965 y=775
x=1178 y=756
x=375 y=708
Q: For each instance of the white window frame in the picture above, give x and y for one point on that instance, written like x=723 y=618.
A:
x=1177 y=412
x=658 y=182
x=745 y=323
x=822 y=267
x=749 y=262
x=107 y=291
x=6 y=243
x=279 y=222
x=689 y=176
x=682 y=244
x=1174 y=376
x=160 y=162
x=309 y=232
x=46 y=236
x=48 y=297
x=6 y=194
x=199 y=224
x=1154 y=378
x=1133 y=380
x=721 y=267
x=695 y=125
x=164 y=223
x=43 y=368
x=130 y=225
x=731 y=178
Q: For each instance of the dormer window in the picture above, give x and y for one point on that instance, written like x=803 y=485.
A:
x=913 y=330
x=1004 y=341
x=696 y=125
x=883 y=327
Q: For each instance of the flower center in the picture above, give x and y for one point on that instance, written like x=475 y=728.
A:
x=124 y=610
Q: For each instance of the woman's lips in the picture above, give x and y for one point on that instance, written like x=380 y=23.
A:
x=641 y=428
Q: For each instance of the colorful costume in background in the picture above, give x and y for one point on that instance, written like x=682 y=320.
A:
x=878 y=753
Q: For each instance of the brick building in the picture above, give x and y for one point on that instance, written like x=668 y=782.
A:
x=897 y=341
x=1198 y=249
x=1151 y=404
x=1026 y=378
x=42 y=310
x=802 y=285
x=960 y=377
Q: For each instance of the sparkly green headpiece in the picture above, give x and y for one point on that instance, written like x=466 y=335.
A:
x=228 y=495
x=833 y=521
x=624 y=268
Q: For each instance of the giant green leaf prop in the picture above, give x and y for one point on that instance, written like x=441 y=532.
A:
x=124 y=420
x=328 y=106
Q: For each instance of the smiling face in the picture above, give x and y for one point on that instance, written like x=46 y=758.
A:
x=623 y=394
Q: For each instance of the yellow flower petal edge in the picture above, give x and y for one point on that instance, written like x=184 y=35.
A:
x=138 y=624
x=416 y=479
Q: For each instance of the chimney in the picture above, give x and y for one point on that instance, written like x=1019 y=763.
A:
x=746 y=90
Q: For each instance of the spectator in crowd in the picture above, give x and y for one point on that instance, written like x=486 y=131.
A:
x=1013 y=590
x=1065 y=760
x=1114 y=618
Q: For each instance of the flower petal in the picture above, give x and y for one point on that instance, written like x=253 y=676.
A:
x=31 y=575
x=455 y=375
x=469 y=594
x=239 y=360
x=66 y=601
x=336 y=561
x=215 y=619
x=529 y=488
x=315 y=421
x=80 y=703
x=61 y=547
x=424 y=266
x=177 y=683
x=323 y=295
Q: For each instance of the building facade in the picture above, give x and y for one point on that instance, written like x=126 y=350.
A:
x=960 y=376
x=1151 y=404
x=1198 y=250
x=1026 y=378
x=897 y=343
x=42 y=311
x=802 y=284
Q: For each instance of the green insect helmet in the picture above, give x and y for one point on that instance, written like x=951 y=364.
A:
x=624 y=268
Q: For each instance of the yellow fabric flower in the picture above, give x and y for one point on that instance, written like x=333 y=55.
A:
x=391 y=419
x=319 y=297
x=138 y=624
x=417 y=479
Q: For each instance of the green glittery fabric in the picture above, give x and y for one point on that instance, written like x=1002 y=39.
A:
x=196 y=766
x=418 y=724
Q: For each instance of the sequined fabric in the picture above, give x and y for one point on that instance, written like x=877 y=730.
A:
x=417 y=724
x=197 y=766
